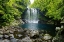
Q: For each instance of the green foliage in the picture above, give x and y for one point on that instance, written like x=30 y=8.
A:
x=11 y=10
x=54 y=8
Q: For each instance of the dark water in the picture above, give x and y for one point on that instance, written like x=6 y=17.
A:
x=39 y=26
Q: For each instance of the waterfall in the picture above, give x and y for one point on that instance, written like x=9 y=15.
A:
x=32 y=15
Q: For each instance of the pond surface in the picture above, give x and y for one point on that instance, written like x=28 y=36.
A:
x=39 y=26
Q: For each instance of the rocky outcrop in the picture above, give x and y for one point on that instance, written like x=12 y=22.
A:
x=26 y=39
x=17 y=34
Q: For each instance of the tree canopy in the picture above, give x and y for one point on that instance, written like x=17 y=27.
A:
x=54 y=8
x=10 y=10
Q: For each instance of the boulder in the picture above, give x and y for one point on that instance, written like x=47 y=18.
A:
x=5 y=40
x=34 y=32
x=58 y=28
x=19 y=35
x=11 y=36
x=26 y=39
x=1 y=32
x=47 y=37
x=13 y=40
x=11 y=31
x=1 y=36
x=6 y=36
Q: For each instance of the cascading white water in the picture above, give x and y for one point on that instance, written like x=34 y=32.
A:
x=32 y=15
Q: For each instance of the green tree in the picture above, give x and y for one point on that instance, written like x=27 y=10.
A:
x=54 y=8
x=11 y=10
